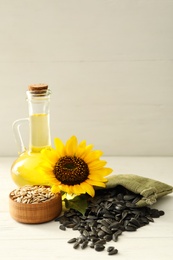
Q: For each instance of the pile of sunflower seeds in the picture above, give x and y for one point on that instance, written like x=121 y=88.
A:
x=108 y=215
x=32 y=194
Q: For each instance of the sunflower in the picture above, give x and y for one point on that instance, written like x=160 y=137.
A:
x=73 y=168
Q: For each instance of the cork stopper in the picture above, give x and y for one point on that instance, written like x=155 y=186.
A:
x=38 y=88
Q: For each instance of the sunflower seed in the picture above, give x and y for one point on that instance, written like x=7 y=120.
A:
x=101 y=233
x=116 y=235
x=76 y=244
x=155 y=213
x=115 y=224
x=135 y=222
x=161 y=212
x=106 y=230
x=85 y=233
x=108 y=238
x=84 y=244
x=150 y=218
x=72 y=240
x=99 y=248
x=91 y=245
x=100 y=242
x=62 y=227
x=136 y=200
x=31 y=194
x=113 y=252
x=130 y=228
x=129 y=197
x=109 y=214
x=110 y=248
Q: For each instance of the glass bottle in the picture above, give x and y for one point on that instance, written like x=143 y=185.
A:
x=38 y=97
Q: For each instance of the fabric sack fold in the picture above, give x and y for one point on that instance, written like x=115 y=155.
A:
x=149 y=189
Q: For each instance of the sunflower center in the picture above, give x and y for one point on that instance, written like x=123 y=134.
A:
x=71 y=170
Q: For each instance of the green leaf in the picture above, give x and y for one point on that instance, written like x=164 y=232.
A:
x=78 y=203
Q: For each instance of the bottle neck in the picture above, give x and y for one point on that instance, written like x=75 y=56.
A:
x=39 y=118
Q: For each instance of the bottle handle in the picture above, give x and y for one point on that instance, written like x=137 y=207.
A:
x=17 y=134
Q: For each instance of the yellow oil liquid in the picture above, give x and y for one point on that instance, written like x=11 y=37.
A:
x=39 y=132
x=27 y=164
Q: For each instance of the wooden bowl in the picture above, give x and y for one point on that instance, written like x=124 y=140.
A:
x=35 y=213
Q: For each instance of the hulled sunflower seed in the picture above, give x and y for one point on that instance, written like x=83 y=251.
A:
x=32 y=194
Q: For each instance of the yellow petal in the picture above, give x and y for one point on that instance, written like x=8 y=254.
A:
x=59 y=147
x=98 y=164
x=97 y=178
x=71 y=146
x=96 y=183
x=49 y=155
x=46 y=167
x=81 y=147
x=55 y=189
x=101 y=172
x=82 y=144
x=66 y=188
x=88 y=188
x=77 y=189
x=92 y=156
x=80 y=152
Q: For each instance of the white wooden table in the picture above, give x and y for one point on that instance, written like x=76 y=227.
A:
x=47 y=241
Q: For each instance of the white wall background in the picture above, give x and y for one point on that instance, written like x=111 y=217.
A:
x=109 y=64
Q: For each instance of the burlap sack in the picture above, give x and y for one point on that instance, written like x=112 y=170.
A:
x=149 y=189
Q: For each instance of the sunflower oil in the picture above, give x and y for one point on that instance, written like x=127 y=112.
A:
x=39 y=132
x=24 y=170
x=24 y=166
